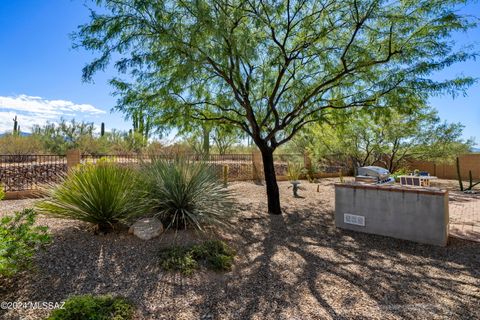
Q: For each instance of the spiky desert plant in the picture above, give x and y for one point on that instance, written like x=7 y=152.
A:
x=186 y=193
x=294 y=170
x=103 y=194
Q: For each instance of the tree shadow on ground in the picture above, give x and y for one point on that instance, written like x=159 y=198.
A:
x=293 y=266
x=330 y=273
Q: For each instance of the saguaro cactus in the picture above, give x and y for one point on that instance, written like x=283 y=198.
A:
x=15 y=125
x=460 y=182
x=102 y=129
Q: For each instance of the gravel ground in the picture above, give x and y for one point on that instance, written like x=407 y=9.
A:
x=294 y=266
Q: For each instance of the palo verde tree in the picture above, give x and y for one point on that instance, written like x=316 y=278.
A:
x=271 y=67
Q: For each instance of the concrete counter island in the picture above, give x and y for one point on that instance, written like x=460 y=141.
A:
x=409 y=213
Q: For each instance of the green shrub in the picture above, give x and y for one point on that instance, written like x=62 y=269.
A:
x=102 y=194
x=2 y=192
x=92 y=145
x=19 y=239
x=217 y=254
x=20 y=145
x=400 y=172
x=214 y=254
x=178 y=259
x=294 y=170
x=311 y=172
x=186 y=194
x=90 y=307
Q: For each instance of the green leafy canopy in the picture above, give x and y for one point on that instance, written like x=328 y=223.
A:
x=270 y=67
x=387 y=140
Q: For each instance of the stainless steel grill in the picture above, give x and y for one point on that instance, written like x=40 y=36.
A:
x=374 y=174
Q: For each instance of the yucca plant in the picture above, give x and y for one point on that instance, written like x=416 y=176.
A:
x=186 y=193
x=103 y=194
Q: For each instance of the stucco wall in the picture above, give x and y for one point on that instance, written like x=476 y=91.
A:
x=416 y=214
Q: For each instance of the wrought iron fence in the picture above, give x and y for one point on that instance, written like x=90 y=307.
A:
x=28 y=172
x=240 y=166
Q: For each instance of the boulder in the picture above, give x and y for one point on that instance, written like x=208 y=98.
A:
x=147 y=228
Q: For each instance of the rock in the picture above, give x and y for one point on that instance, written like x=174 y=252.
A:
x=147 y=228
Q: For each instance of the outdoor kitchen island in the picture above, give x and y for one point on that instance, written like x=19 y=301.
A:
x=417 y=214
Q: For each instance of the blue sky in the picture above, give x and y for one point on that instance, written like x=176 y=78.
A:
x=40 y=73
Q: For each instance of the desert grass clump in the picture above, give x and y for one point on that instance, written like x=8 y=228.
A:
x=294 y=170
x=186 y=194
x=102 y=194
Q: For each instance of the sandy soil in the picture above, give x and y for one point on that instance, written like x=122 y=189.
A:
x=294 y=266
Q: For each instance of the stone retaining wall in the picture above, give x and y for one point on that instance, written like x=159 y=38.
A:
x=28 y=176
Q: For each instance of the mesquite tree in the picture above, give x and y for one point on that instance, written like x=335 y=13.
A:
x=387 y=139
x=271 y=67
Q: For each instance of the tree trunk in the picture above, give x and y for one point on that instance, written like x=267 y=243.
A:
x=206 y=140
x=273 y=195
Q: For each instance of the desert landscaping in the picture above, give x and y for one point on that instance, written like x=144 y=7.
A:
x=296 y=266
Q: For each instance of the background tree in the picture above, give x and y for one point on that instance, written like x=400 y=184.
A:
x=443 y=143
x=271 y=67
x=137 y=110
x=198 y=138
x=386 y=139
x=58 y=138
x=225 y=137
x=202 y=136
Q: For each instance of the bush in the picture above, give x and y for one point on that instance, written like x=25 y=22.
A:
x=186 y=194
x=217 y=254
x=179 y=259
x=294 y=170
x=93 y=146
x=2 y=192
x=214 y=254
x=19 y=240
x=400 y=172
x=13 y=144
x=103 y=194
x=89 y=307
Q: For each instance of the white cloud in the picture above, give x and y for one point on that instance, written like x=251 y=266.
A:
x=32 y=110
